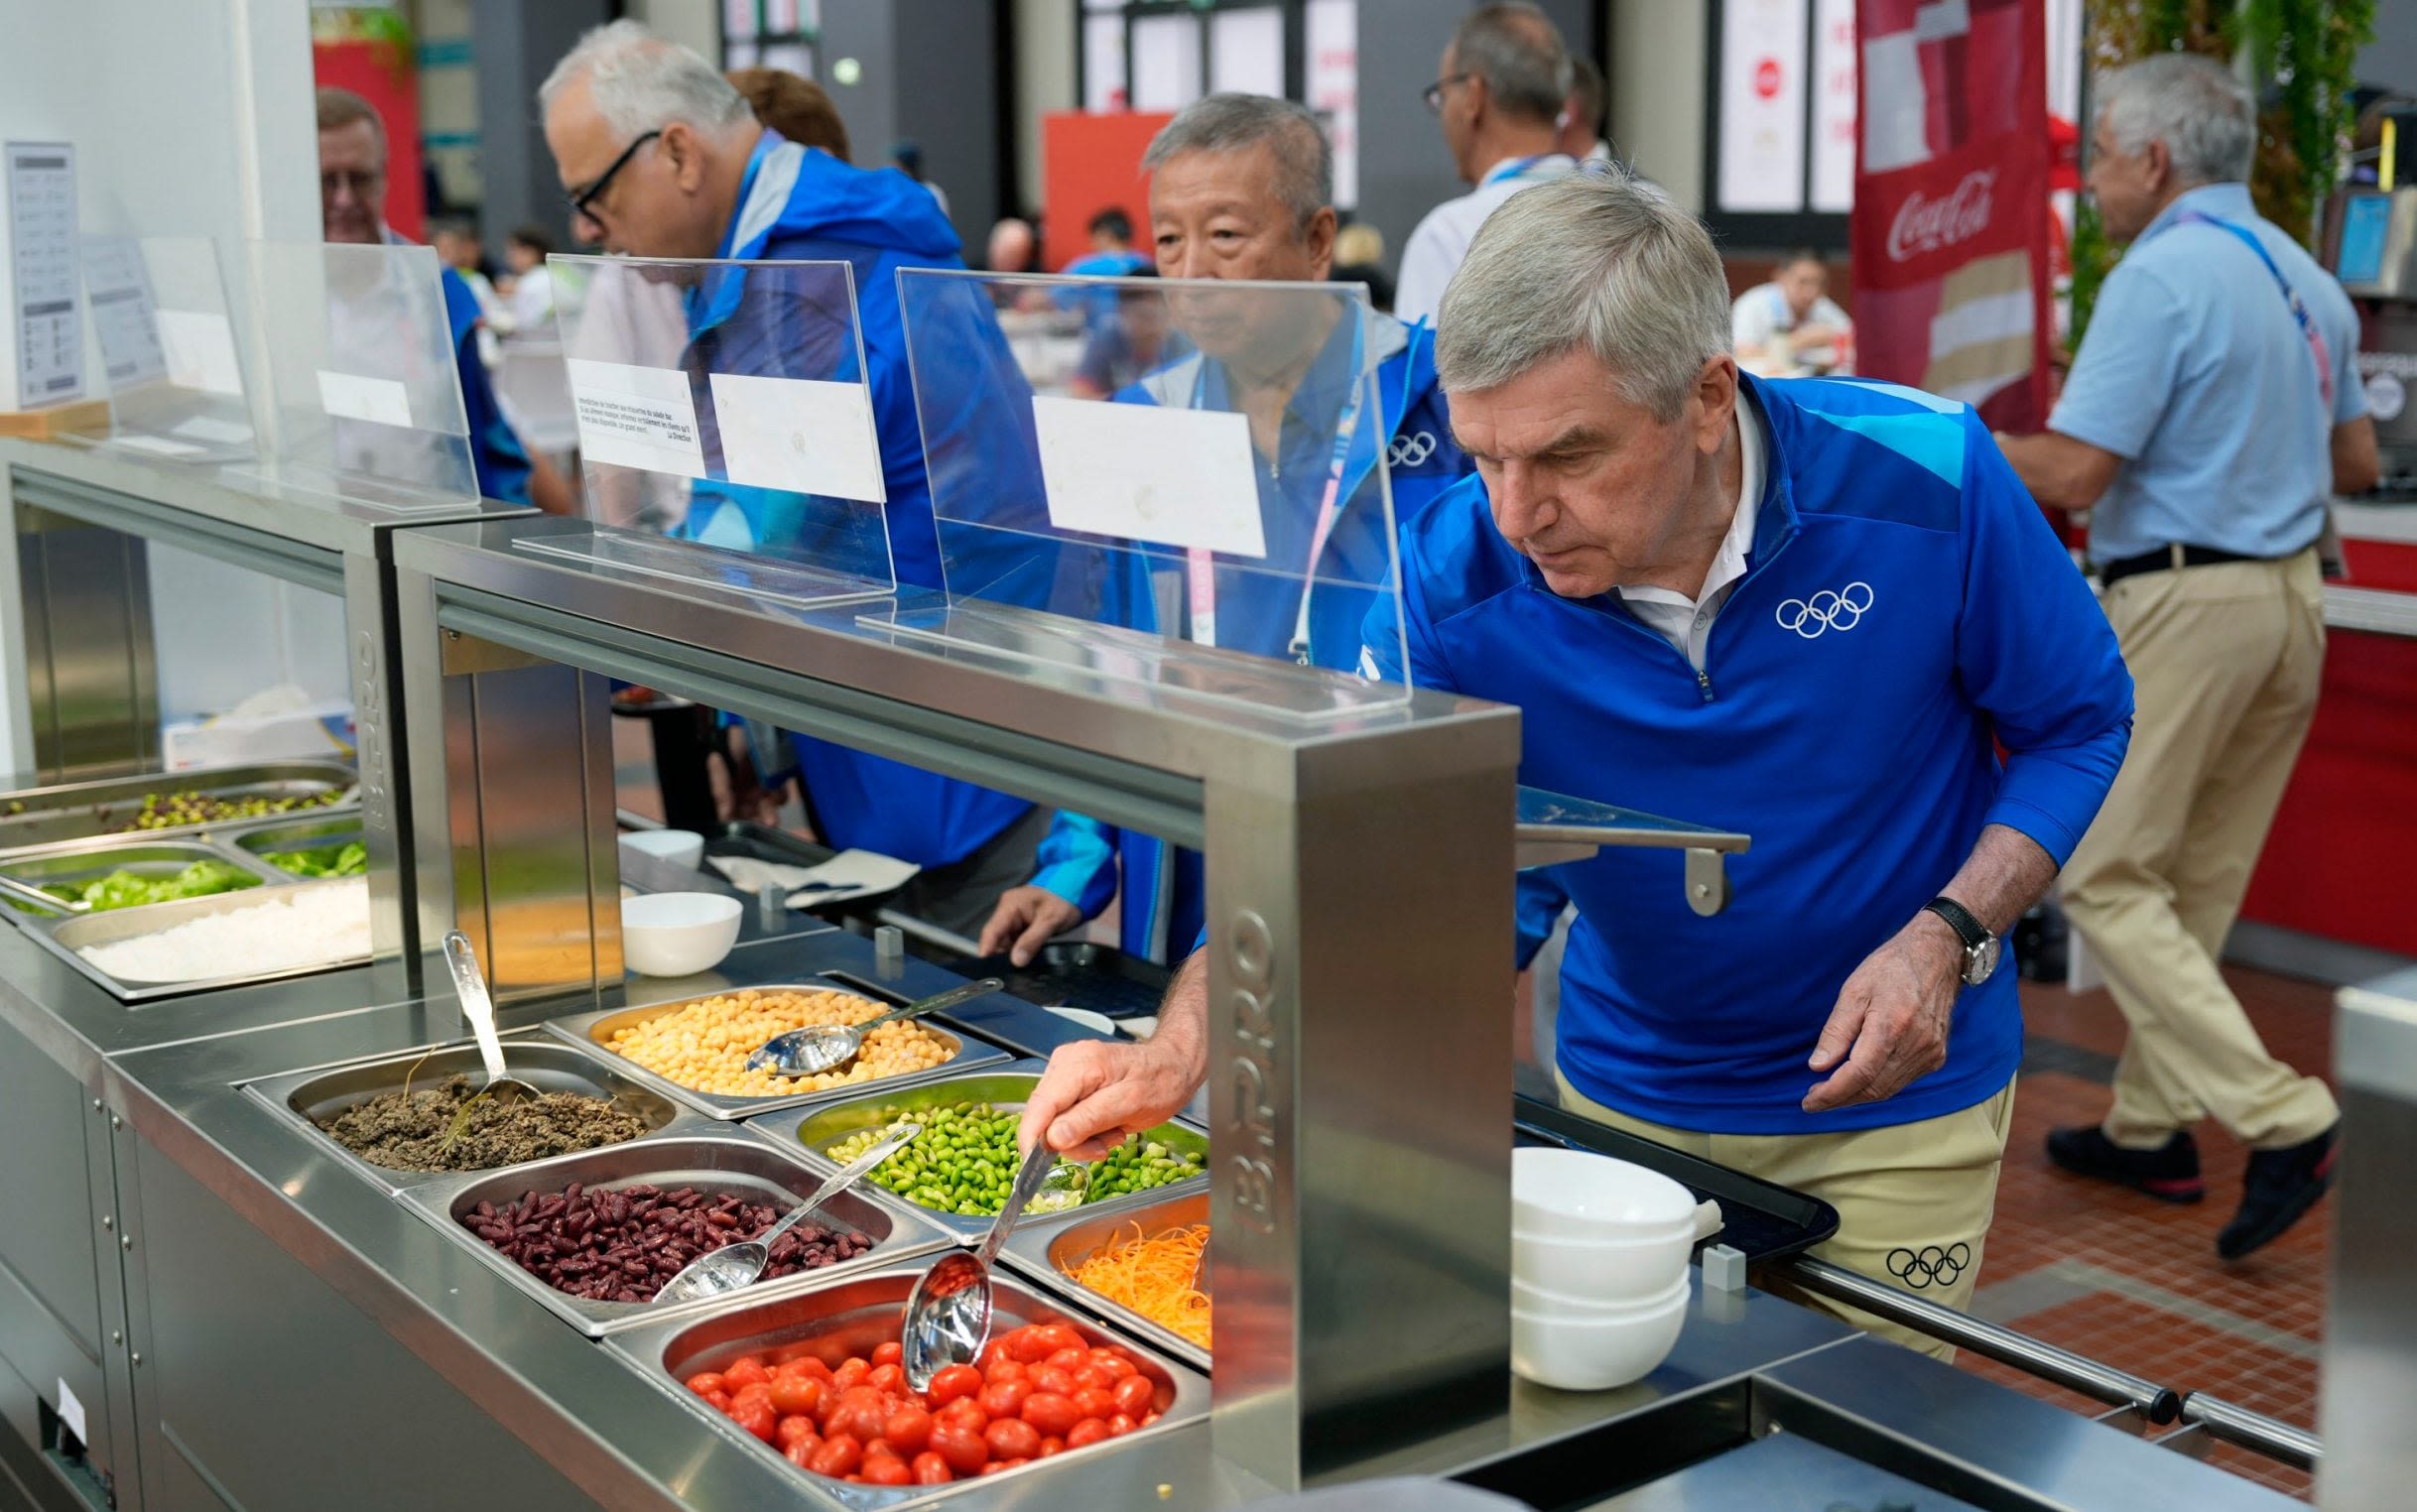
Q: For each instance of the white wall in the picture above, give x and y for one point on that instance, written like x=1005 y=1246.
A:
x=1044 y=82
x=1656 y=86
x=694 y=24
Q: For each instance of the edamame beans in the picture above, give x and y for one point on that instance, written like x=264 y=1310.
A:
x=964 y=1160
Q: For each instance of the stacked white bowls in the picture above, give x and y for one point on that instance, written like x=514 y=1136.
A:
x=1598 y=1268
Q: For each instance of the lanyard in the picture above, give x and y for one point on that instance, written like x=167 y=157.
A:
x=1513 y=169
x=1199 y=565
x=2317 y=348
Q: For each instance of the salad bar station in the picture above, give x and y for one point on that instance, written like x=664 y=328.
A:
x=276 y=1237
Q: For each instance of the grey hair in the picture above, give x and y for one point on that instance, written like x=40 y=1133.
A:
x=2194 y=106
x=642 y=82
x=1515 y=48
x=1599 y=261
x=1229 y=122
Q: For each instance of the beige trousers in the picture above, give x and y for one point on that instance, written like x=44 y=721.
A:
x=2225 y=661
x=1913 y=1200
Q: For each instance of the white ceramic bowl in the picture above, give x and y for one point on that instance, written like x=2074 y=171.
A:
x=680 y=848
x=1541 y=1303
x=1574 y=1195
x=1611 y=1270
x=677 y=934
x=1594 y=1355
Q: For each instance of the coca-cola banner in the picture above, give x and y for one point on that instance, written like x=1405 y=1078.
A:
x=1951 y=203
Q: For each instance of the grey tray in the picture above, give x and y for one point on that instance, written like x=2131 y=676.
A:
x=591 y=1031
x=816 y=1129
x=1041 y=1247
x=66 y=935
x=88 y=860
x=710 y=1156
x=80 y=810
x=852 y=1316
x=302 y=1097
x=271 y=837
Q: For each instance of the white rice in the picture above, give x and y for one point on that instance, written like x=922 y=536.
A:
x=307 y=926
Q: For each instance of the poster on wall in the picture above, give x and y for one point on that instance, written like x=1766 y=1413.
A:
x=1330 y=31
x=1763 y=85
x=1834 y=74
x=1950 y=224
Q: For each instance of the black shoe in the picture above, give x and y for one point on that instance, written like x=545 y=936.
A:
x=2281 y=1186
x=2170 y=1173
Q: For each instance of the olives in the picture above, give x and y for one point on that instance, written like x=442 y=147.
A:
x=174 y=811
x=964 y=1161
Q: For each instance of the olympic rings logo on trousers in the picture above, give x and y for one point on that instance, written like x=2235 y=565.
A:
x=1930 y=1264
x=1824 y=611
x=1410 y=451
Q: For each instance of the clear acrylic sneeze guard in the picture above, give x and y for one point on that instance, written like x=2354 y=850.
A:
x=364 y=401
x=159 y=309
x=1185 y=480
x=725 y=426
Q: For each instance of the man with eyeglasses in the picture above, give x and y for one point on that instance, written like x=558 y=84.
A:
x=659 y=156
x=1506 y=80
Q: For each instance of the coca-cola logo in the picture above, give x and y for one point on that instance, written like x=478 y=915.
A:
x=1933 y=224
x=1767 y=78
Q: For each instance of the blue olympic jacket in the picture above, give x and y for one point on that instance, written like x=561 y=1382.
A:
x=1903 y=604
x=1165 y=886
x=495 y=451
x=802 y=203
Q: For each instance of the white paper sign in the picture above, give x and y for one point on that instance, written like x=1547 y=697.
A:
x=800 y=434
x=157 y=446
x=49 y=330
x=200 y=348
x=1171 y=477
x=1834 y=106
x=216 y=432
x=1762 y=105
x=118 y=287
x=72 y=1413
x=349 y=396
x=636 y=417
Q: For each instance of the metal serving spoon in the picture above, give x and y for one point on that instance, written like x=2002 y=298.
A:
x=735 y=1267
x=470 y=986
x=948 y=1316
x=819 y=1047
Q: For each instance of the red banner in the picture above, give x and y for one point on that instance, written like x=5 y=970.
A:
x=1951 y=222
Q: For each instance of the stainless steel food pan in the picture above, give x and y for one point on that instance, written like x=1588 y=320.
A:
x=67 y=937
x=1046 y=1248
x=79 y=810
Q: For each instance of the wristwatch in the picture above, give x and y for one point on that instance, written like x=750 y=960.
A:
x=1980 y=947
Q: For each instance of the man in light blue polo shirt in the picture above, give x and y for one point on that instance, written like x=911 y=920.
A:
x=2211 y=412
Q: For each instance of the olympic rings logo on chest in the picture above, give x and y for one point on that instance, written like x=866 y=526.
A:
x=1814 y=617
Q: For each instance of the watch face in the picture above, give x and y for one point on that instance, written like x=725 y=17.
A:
x=1980 y=963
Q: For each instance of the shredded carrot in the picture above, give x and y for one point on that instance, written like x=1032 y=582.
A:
x=1153 y=1277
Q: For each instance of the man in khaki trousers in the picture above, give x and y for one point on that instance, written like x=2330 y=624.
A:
x=2210 y=411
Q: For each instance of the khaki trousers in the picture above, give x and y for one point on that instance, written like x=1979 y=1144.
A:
x=2225 y=661
x=1913 y=1200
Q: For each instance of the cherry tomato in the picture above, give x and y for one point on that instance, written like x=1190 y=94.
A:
x=802 y=1453
x=964 y=1411
x=1004 y=1399
x=1095 y=1403
x=1012 y=1438
x=889 y=1377
x=992 y=1353
x=953 y=1382
x=858 y=1420
x=1120 y=1425
x=797 y=1394
x=909 y=1431
x=889 y=1353
x=1148 y=1419
x=719 y=1399
x=790 y=1430
x=851 y=1372
x=1135 y=1395
x=1091 y=1375
x=750 y=1399
x=887 y=1470
x=1068 y=1359
x=839 y=1456
x=1052 y=1380
x=746 y=1370
x=877 y=1447
x=932 y=1469
x=757 y=1418
x=1004 y=1369
x=1059 y=1337
x=1051 y=1413
x=1052 y=1446
x=1087 y=1433
x=1116 y=1365
x=1030 y=1346
x=964 y=1448
x=994 y=1466
x=706 y=1382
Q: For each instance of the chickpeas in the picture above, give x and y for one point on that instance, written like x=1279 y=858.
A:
x=704 y=1045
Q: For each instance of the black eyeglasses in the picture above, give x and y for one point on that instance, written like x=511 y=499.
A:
x=1433 y=95
x=581 y=199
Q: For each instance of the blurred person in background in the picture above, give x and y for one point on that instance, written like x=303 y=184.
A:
x=1504 y=84
x=1241 y=187
x=1581 y=119
x=352 y=208
x=2211 y=413
x=1360 y=258
x=1131 y=345
x=529 y=290
x=1013 y=247
x=794 y=106
x=456 y=244
x=906 y=156
x=1790 y=326
x=661 y=157
x=1111 y=253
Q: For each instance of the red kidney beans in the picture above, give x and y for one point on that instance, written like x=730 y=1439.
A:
x=622 y=1245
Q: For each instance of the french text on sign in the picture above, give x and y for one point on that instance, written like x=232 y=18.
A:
x=1171 y=477
x=636 y=417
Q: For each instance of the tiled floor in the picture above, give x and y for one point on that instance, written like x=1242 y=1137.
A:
x=2134 y=1282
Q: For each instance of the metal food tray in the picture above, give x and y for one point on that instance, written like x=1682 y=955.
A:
x=592 y=1032
x=1760 y=1220
x=89 y=860
x=267 y=838
x=84 y=811
x=850 y=1317
x=302 y=1097
x=1041 y=1247
x=65 y=937
x=711 y=1157
x=1006 y=1088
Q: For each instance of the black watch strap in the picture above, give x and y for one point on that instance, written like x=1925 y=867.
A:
x=1968 y=928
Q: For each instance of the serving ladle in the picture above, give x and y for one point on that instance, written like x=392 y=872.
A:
x=948 y=1315
x=470 y=986
x=735 y=1267
x=818 y=1047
